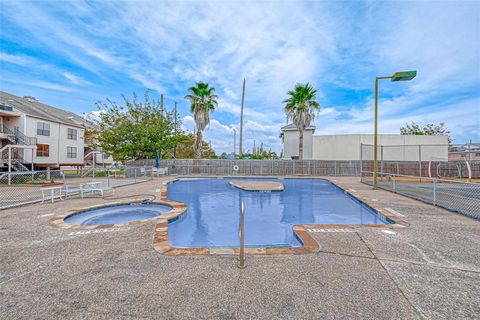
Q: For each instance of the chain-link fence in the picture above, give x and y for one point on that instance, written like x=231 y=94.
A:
x=418 y=160
x=219 y=167
x=458 y=196
x=425 y=173
x=19 y=188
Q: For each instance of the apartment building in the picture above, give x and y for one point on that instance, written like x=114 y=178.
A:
x=39 y=136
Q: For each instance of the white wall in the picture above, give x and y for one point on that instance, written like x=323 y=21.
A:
x=290 y=144
x=103 y=159
x=347 y=147
x=58 y=142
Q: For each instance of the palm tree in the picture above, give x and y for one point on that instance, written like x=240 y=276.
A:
x=203 y=100
x=300 y=107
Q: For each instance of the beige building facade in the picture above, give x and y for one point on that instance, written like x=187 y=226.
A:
x=347 y=147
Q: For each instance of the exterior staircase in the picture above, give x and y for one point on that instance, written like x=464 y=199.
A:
x=15 y=138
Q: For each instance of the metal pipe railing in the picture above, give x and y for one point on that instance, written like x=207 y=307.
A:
x=241 y=234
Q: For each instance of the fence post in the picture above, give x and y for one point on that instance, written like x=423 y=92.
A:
x=135 y=174
x=335 y=168
x=420 y=162
x=108 y=178
x=434 y=192
x=381 y=163
x=361 y=161
x=394 y=187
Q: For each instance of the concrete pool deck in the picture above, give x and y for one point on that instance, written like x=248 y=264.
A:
x=429 y=270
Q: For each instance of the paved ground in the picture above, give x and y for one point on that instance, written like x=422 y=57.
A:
x=430 y=270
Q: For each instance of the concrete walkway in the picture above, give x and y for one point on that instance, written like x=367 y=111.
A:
x=430 y=270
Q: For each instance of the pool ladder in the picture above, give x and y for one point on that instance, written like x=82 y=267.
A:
x=241 y=234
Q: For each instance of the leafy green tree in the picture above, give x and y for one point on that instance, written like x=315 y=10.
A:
x=185 y=148
x=300 y=107
x=203 y=100
x=136 y=129
x=427 y=130
x=259 y=154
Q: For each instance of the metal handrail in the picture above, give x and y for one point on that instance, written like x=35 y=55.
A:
x=241 y=234
x=18 y=136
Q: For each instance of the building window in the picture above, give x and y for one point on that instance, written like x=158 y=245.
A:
x=71 y=152
x=43 y=129
x=72 y=134
x=43 y=150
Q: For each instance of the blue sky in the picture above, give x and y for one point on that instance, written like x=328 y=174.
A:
x=72 y=54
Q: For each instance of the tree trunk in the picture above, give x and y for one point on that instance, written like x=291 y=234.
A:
x=198 y=145
x=300 y=145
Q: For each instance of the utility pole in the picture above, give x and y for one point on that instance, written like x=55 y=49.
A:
x=175 y=132
x=240 y=151
x=234 y=142
x=161 y=104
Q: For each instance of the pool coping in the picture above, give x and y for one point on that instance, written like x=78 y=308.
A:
x=58 y=219
x=309 y=244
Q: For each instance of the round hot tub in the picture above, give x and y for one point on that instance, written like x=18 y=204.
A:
x=117 y=214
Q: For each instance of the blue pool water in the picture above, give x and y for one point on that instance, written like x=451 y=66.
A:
x=212 y=216
x=117 y=214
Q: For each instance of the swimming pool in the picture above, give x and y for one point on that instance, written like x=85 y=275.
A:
x=117 y=214
x=212 y=216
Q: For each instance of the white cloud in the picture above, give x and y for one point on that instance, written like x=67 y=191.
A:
x=76 y=79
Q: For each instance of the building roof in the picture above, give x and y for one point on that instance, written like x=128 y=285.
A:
x=34 y=108
x=291 y=127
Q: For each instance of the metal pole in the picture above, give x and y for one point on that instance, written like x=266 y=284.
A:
x=9 y=165
x=161 y=104
x=420 y=162
x=381 y=162
x=33 y=168
x=234 y=142
x=240 y=151
x=469 y=152
x=434 y=192
x=361 y=161
x=375 y=138
x=175 y=131
x=241 y=234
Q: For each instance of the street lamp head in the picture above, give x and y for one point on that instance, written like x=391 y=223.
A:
x=404 y=75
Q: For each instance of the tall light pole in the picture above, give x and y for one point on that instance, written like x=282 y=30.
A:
x=240 y=151
x=234 y=142
x=397 y=76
